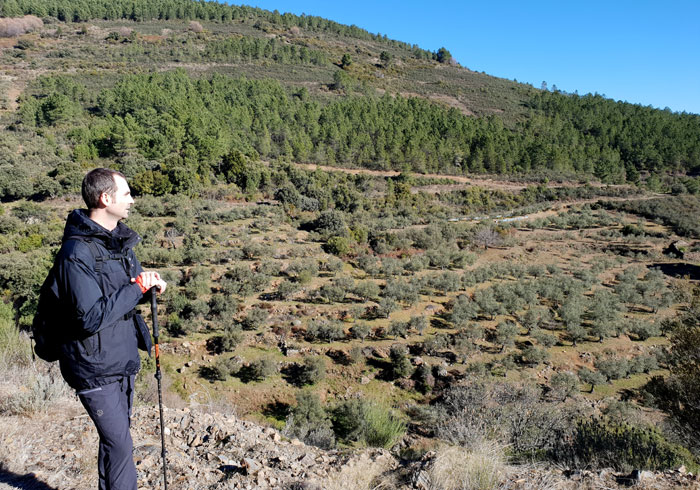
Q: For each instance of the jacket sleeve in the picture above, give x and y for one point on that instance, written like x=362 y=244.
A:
x=92 y=309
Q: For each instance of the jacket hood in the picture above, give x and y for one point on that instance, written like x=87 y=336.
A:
x=120 y=238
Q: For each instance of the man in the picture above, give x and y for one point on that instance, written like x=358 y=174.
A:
x=100 y=282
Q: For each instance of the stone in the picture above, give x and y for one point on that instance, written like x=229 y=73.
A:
x=195 y=441
x=380 y=353
x=250 y=466
x=646 y=475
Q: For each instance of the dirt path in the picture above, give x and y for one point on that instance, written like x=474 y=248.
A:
x=485 y=182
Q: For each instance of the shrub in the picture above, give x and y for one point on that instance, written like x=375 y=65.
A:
x=383 y=428
x=225 y=366
x=403 y=291
x=643 y=330
x=366 y=290
x=400 y=365
x=612 y=368
x=355 y=355
x=593 y=378
x=337 y=245
x=287 y=289
x=543 y=338
x=435 y=344
x=177 y=326
x=195 y=26
x=563 y=385
x=241 y=280
x=418 y=323
x=221 y=305
x=506 y=412
x=261 y=368
x=385 y=307
x=230 y=339
x=332 y=292
x=302 y=271
x=255 y=318
x=360 y=331
x=313 y=370
x=398 y=329
x=329 y=223
x=533 y=355
x=348 y=419
x=309 y=422
x=324 y=331
x=425 y=381
x=600 y=443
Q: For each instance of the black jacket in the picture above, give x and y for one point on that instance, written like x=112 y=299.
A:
x=101 y=330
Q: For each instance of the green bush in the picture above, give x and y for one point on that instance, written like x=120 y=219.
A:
x=357 y=420
x=221 y=305
x=261 y=368
x=225 y=366
x=313 y=370
x=400 y=365
x=324 y=331
x=255 y=319
x=230 y=339
x=337 y=245
x=31 y=242
x=383 y=427
x=360 y=331
x=310 y=422
x=600 y=443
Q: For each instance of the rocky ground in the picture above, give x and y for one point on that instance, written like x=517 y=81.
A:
x=212 y=451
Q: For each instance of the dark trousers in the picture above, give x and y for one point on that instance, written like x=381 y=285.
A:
x=109 y=407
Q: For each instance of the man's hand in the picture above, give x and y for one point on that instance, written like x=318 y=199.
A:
x=148 y=279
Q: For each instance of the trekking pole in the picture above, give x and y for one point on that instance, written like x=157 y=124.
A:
x=158 y=376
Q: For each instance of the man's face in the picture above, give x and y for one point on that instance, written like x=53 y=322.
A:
x=119 y=203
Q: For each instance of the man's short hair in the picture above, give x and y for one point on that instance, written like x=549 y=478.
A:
x=97 y=182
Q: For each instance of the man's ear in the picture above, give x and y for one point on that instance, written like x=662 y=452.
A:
x=105 y=199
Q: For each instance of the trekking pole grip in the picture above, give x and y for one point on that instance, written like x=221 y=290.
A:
x=154 y=312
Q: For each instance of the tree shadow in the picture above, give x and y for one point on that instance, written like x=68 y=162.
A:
x=22 y=482
x=385 y=373
x=248 y=374
x=680 y=270
x=277 y=410
x=292 y=374
x=215 y=345
x=209 y=373
x=340 y=357
x=441 y=322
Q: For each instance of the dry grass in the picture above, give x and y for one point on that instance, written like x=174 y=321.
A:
x=30 y=390
x=456 y=468
x=16 y=27
x=26 y=386
x=360 y=474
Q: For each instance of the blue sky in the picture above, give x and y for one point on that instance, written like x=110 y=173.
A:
x=645 y=52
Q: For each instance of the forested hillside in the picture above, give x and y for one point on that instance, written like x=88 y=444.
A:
x=145 y=86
